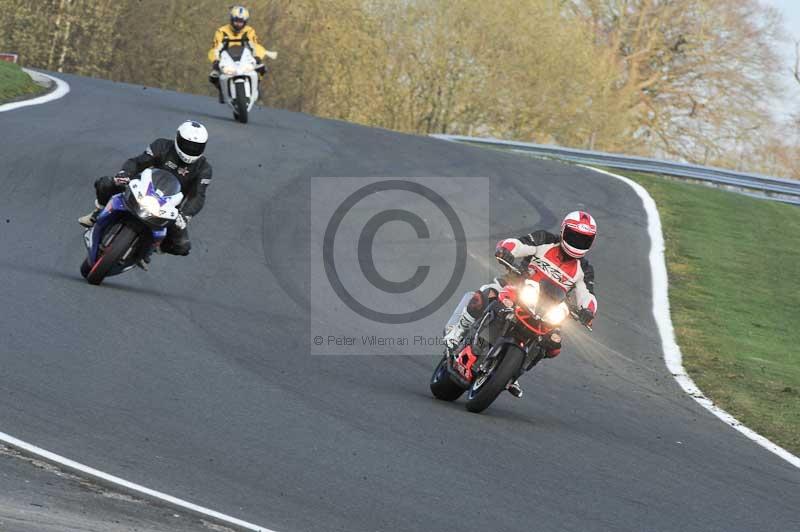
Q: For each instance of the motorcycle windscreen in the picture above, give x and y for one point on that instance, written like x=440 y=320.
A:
x=235 y=52
x=165 y=183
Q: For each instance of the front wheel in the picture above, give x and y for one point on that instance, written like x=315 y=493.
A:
x=110 y=255
x=485 y=389
x=85 y=268
x=241 y=108
x=442 y=386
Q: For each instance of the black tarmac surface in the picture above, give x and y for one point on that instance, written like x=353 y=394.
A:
x=195 y=378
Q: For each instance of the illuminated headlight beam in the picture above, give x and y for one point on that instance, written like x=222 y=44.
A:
x=557 y=314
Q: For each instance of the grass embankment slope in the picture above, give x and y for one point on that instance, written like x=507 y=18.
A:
x=14 y=83
x=734 y=273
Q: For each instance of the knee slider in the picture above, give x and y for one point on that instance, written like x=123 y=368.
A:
x=183 y=248
x=176 y=248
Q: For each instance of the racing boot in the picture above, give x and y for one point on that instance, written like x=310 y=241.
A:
x=144 y=262
x=213 y=78
x=88 y=220
x=515 y=389
x=454 y=335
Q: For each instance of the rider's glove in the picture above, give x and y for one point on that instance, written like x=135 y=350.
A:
x=122 y=178
x=272 y=55
x=215 y=65
x=182 y=220
x=505 y=254
x=586 y=316
x=260 y=66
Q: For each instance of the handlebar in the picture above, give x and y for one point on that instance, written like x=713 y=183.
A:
x=517 y=271
x=577 y=318
x=512 y=268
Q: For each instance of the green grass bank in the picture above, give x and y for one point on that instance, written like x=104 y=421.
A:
x=14 y=83
x=734 y=273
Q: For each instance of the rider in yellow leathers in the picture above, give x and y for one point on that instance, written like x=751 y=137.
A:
x=237 y=32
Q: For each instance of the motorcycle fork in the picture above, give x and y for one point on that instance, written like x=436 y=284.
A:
x=133 y=246
x=497 y=345
x=109 y=235
x=486 y=320
x=110 y=232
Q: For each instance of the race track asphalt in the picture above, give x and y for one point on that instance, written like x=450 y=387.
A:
x=195 y=378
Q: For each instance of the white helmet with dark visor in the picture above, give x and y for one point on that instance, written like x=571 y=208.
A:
x=577 y=233
x=190 y=141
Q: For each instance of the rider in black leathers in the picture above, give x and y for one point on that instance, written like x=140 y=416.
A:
x=183 y=158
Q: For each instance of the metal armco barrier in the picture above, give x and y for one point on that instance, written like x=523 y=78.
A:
x=774 y=188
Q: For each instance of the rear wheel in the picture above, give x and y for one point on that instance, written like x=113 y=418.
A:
x=110 y=255
x=442 y=386
x=486 y=388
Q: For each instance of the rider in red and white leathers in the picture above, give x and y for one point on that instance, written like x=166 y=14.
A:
x=559 y=258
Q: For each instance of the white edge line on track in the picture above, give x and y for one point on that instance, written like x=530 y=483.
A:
x=62 y=88
x=128 y=486
x=672 y=353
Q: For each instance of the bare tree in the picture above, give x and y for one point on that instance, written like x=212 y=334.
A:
x=697 y=73
x=683 y=78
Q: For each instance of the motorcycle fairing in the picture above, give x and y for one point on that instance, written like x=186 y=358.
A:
x=463 y=363
x=107 y=217
x=169 y=198
x=243 y=76
x=243 y=83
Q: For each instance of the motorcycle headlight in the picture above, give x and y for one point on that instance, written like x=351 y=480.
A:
x=246 y=69
x=529 y=294
x=228 y=71
x=557 y=314
x=149 y=206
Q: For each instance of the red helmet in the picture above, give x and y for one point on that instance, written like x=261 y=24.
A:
x=577 y=233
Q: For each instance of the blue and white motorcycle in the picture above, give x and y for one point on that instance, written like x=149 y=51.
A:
x=132 y=223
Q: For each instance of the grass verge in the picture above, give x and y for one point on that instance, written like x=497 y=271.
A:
x=734 y=273
x=14 y=83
